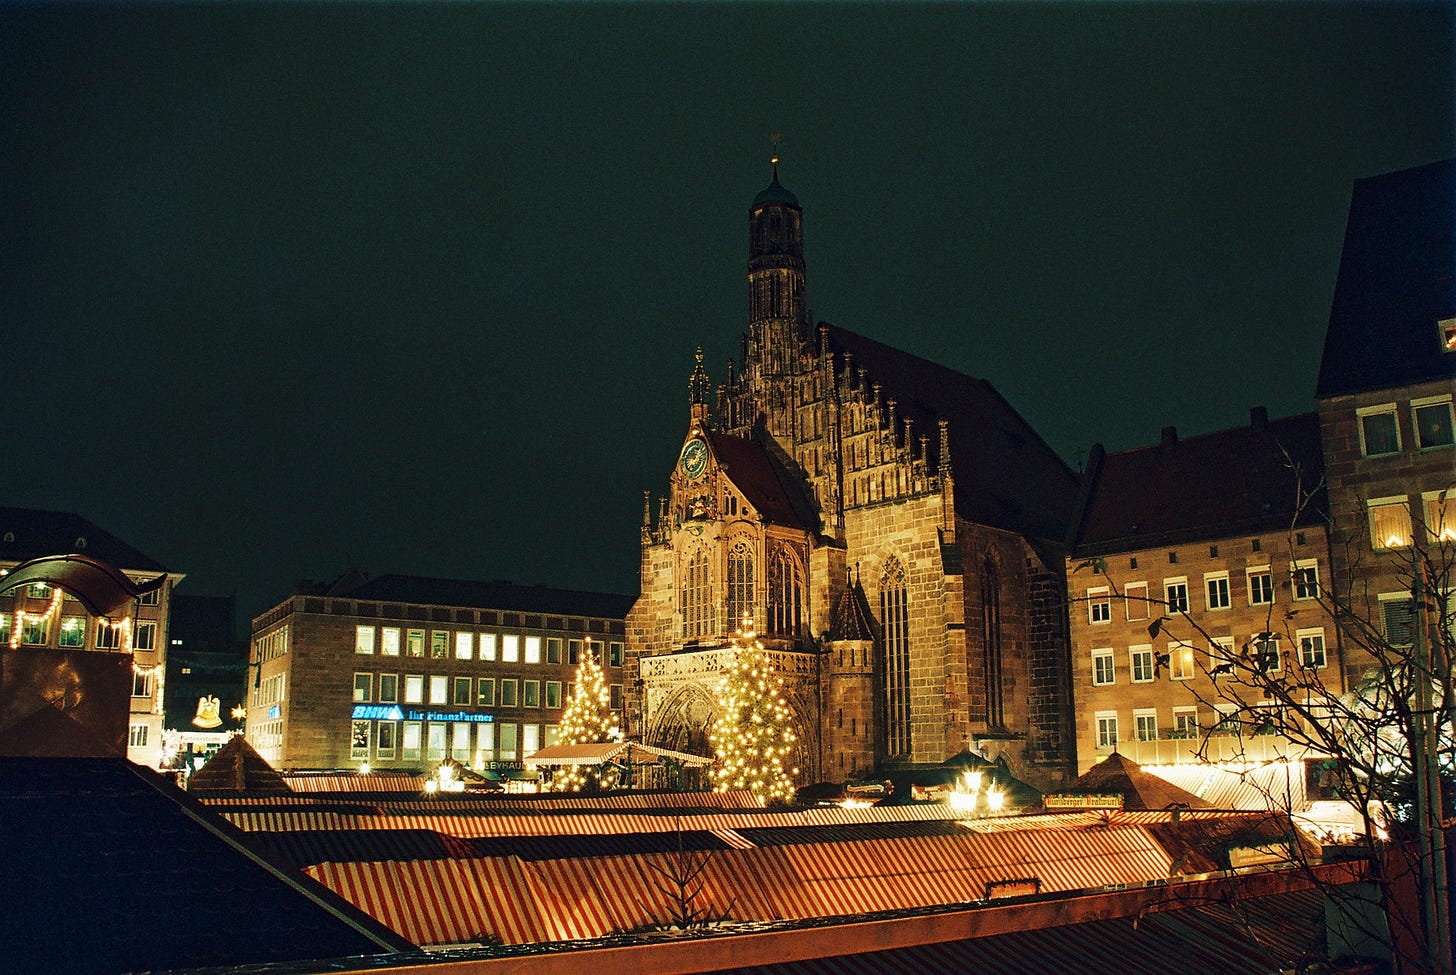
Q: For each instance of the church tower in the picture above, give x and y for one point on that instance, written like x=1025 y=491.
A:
x=777 y=320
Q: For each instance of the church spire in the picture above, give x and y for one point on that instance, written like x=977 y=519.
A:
x=698 y=390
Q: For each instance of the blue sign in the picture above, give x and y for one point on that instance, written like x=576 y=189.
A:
x=450 y=716
x=275 y=712
x=377 y=712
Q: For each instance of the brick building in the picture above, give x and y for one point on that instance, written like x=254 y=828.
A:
x=1223 y=537
x=403 y=671
x=1385 y=390
x=64 y=624
x=893 y=528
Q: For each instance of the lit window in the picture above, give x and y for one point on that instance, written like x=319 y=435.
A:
x=508 y=688
x=1311 y=648
x=36 y=631
x=363 y=687
x=73 y=631
x=1104 y=667
x=1180 y=661
x=1261 y=586
x=530 y=694
x=508 y=734
x=409 y=742
x=363 y=639
x=389 y=642
x=416 y=643
x=1216 y=585
x=1433 y=422
x=388 y=688
x=1176 y=593
x=1304 y=579
x=1440 y=514
x=439 y=644
x=460 y=741
x=1106 y=724
x=1099 y=606
x=414 y=689
x=461 y=695
x=464 y=646
x=530 y=739
x=1145 y=724
x=487 y=646
x=145 y=637
x=1390 y=523
x=1136 y=596
x=439 y=689
x=485 y=742
x=5 y=629
x=1379 y=434
x=510 y=648
x=435 y=740
x=485 y=692
x=1141 y=664
x=533 y=649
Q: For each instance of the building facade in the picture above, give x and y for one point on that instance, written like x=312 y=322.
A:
x=38 y=617
x=1184 y=556
x=1386 y=384
x=892 y=528
x=404 y=672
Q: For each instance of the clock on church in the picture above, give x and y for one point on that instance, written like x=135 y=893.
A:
x=694 y=459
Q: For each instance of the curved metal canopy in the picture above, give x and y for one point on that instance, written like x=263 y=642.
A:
x=102 y=588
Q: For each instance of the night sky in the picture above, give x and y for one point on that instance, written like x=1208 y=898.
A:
x=287 y=288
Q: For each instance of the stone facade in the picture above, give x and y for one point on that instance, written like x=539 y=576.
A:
x=829 y=469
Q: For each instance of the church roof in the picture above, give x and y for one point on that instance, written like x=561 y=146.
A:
x=28 y=533
x=852 y=619
x=763 y=482
x=1265 y=477
x=1397 y=280
x=1005 y=474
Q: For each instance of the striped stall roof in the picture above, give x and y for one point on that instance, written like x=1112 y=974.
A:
x=301 y=848
x=783 y=835
x=568 y=902
x=581 y=846
x=384 y=781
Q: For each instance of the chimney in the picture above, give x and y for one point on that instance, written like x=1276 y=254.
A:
x=1258 y=419
x=1170 y=437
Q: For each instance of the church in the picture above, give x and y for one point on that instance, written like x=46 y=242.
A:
x=893 y=529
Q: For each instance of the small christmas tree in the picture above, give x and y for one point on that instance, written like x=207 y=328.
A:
x=587 y=719
x=753 y=735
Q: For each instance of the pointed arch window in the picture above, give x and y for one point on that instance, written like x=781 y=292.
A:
x=697 y=596
x=991 y=644
x=895 y=620
x=740 y=583
x=785 y=599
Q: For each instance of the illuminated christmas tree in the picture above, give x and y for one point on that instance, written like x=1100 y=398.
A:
x=588 y=719
x=753 y=736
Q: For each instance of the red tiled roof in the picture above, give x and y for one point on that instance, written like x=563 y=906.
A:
x=1260 y=478
x=763 y=483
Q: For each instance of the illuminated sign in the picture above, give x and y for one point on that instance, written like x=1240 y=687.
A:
x=1016 y=887
x=275 y=712
x=1073 y=800
x=377 y=712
